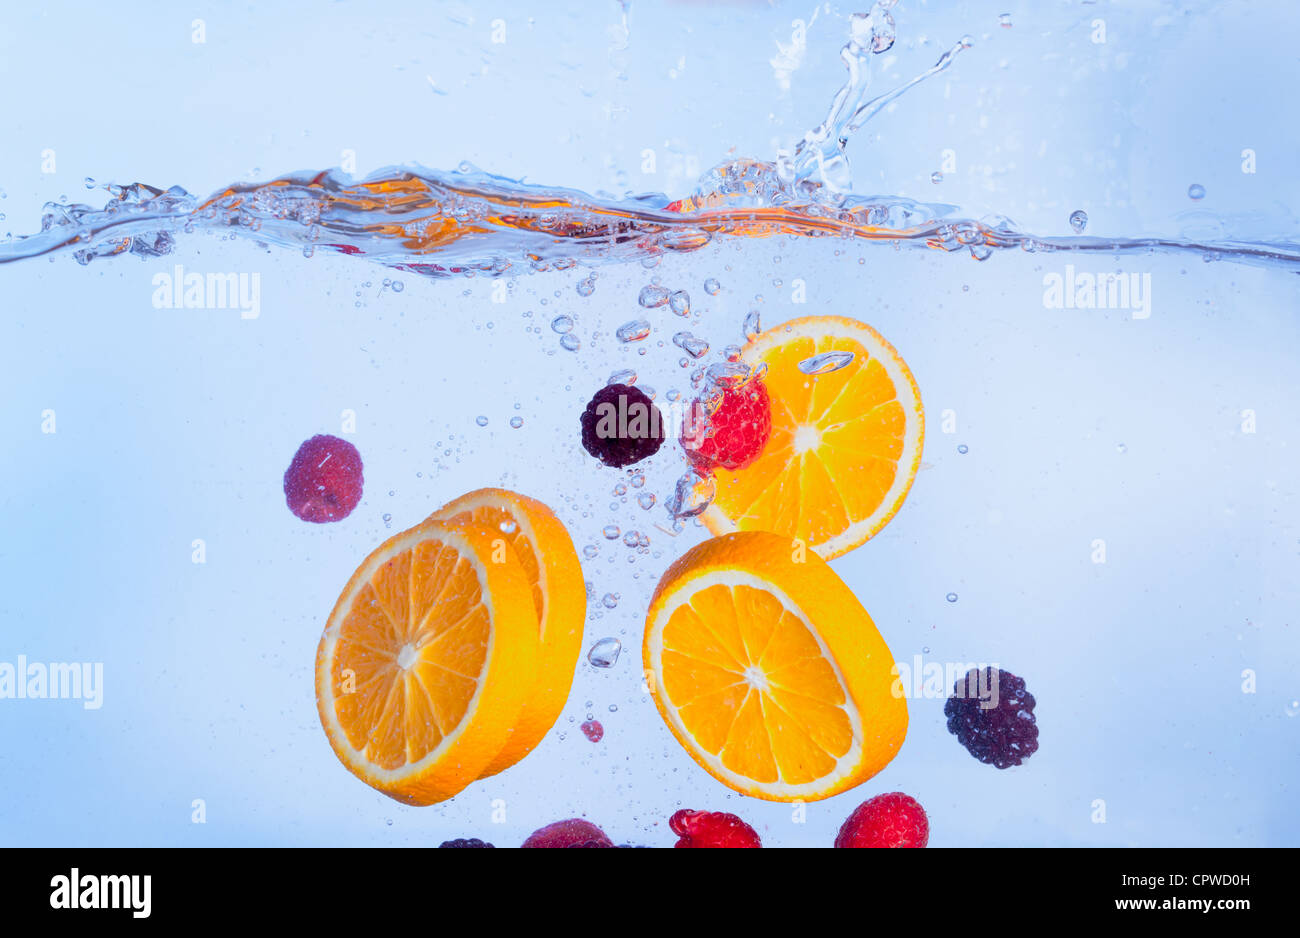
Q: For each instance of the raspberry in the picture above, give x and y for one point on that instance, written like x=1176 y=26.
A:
x=593 y=730
x=621 y=426
x=892 y=820
x=323 y=483
x=735 y=430
x=574 y=832
x=712 y=829
x=464 y=842
x=1003 y=735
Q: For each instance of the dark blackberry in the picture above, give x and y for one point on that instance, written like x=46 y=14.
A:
x=1002 y=735
x=621 y=426
x=465 y=842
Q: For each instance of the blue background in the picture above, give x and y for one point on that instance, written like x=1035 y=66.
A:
x=174 y=425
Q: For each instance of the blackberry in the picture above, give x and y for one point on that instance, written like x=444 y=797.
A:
x=1003 y=735
x=621 y=426
x=465 y=842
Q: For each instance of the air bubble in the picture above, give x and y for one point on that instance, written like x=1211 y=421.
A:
x=569 y=342
x=604 y=654
x=516 y=422
x=653 y=296
x=680 y=303
x=562 y=324
x=481 y=421
x=1078 y=220
x=633 y=331
x=712 y=287
x=1196 y=192
x=825 y=363
x=951 y=597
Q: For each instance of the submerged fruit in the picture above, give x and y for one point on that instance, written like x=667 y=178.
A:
x=712 y=829
x=427 y=661
x=992 y=715
x=768 y=670
x=575 y=832
x=735 y=426
x=890 y=820
x=323 y=482
x=621 y=426
x=845 y=444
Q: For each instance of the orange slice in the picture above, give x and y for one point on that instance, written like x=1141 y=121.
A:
x=768 y=670
x=543 y=547
x=426 y=661
x=845 y=445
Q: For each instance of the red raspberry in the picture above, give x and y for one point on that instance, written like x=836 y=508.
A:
x=712 y=829
x=735 y=427
x=574 y=832
x=892 y=820
x=593 y=730
x=323 y=483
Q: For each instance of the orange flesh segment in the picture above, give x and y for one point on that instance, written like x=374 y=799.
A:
x=410 y=653
x=752 y=686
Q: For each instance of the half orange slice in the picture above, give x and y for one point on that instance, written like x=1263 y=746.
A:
x=845 y=444
x=768 y=670
x=426 y=661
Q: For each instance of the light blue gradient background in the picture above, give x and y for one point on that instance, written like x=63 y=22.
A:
x=175 y=424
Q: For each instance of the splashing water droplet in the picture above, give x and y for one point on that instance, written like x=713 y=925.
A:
x=691 y=496
x=653 y=296
x=691 y=345
x=1078 y=220
x=711 y=287
x=562 y=324
x=826 y=362
x=633 y=331
x=604 y=654
x=1196 y=191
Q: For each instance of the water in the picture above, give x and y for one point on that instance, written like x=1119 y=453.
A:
x=1080 y=423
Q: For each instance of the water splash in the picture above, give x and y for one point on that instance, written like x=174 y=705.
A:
x=471 y=223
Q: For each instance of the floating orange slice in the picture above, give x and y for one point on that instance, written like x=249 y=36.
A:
x=427 y=660
x=768 y=670
x=845 y=444
x=543 y=547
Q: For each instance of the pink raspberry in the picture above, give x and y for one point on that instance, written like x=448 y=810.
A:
x=323 y=483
